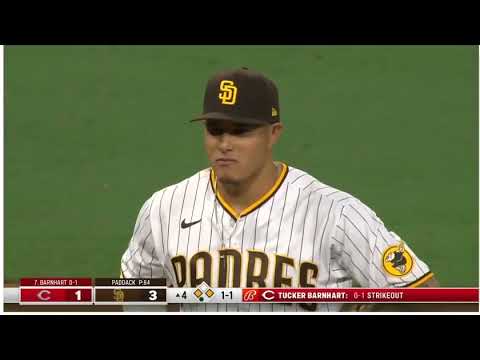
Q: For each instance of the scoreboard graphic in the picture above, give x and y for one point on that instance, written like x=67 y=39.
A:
x=56 y=291
x=119 y=291
x=130 y=291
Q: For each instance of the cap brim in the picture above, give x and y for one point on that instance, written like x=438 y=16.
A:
x=234 y=118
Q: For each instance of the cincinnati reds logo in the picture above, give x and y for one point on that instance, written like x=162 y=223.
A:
x=249 y=295
x=44 y=295
x=268 y=295
x=228 y=93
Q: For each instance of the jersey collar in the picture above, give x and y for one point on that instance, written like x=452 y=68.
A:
x=255 y=205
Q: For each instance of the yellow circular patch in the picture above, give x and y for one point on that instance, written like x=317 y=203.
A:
x=397 y=261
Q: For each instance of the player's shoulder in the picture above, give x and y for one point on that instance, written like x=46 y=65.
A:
x=313 y=188
x=180 y=186
x=307 y=183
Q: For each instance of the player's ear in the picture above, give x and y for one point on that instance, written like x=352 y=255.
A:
x=276 y=130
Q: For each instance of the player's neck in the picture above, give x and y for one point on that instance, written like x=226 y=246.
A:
x=240 y=196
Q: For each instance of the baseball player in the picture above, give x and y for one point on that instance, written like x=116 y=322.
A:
x=250 y=221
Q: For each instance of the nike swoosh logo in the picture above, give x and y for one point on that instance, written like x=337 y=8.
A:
x=187 y=225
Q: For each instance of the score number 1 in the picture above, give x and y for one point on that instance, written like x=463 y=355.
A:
x=80 y=295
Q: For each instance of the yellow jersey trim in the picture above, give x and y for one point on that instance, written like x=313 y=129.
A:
x=421 y=280
x=263 y=199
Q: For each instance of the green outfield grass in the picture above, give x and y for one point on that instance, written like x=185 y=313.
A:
x=92 y=131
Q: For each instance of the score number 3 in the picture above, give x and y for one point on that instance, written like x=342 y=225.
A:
x=153 y=295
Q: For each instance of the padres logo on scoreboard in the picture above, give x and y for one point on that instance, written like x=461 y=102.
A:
x=228 y=93
x=118 y=295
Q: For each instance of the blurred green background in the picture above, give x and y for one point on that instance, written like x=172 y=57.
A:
x=92 y=131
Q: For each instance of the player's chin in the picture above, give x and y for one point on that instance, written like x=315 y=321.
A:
x=227 y=179
x=226 y=176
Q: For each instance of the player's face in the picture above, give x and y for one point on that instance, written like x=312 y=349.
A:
x=238 y=151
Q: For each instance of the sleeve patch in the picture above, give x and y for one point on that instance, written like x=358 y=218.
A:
x=397 y=261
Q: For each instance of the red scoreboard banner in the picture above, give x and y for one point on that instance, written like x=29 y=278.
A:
x=56 y=291
x=361 y=295
x=57 y=281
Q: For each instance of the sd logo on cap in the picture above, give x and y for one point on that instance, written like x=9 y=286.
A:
x=241 y=95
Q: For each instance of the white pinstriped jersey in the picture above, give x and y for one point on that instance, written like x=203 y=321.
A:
x=302 y=233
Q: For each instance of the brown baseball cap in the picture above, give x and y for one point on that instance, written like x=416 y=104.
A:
x=241 y=95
